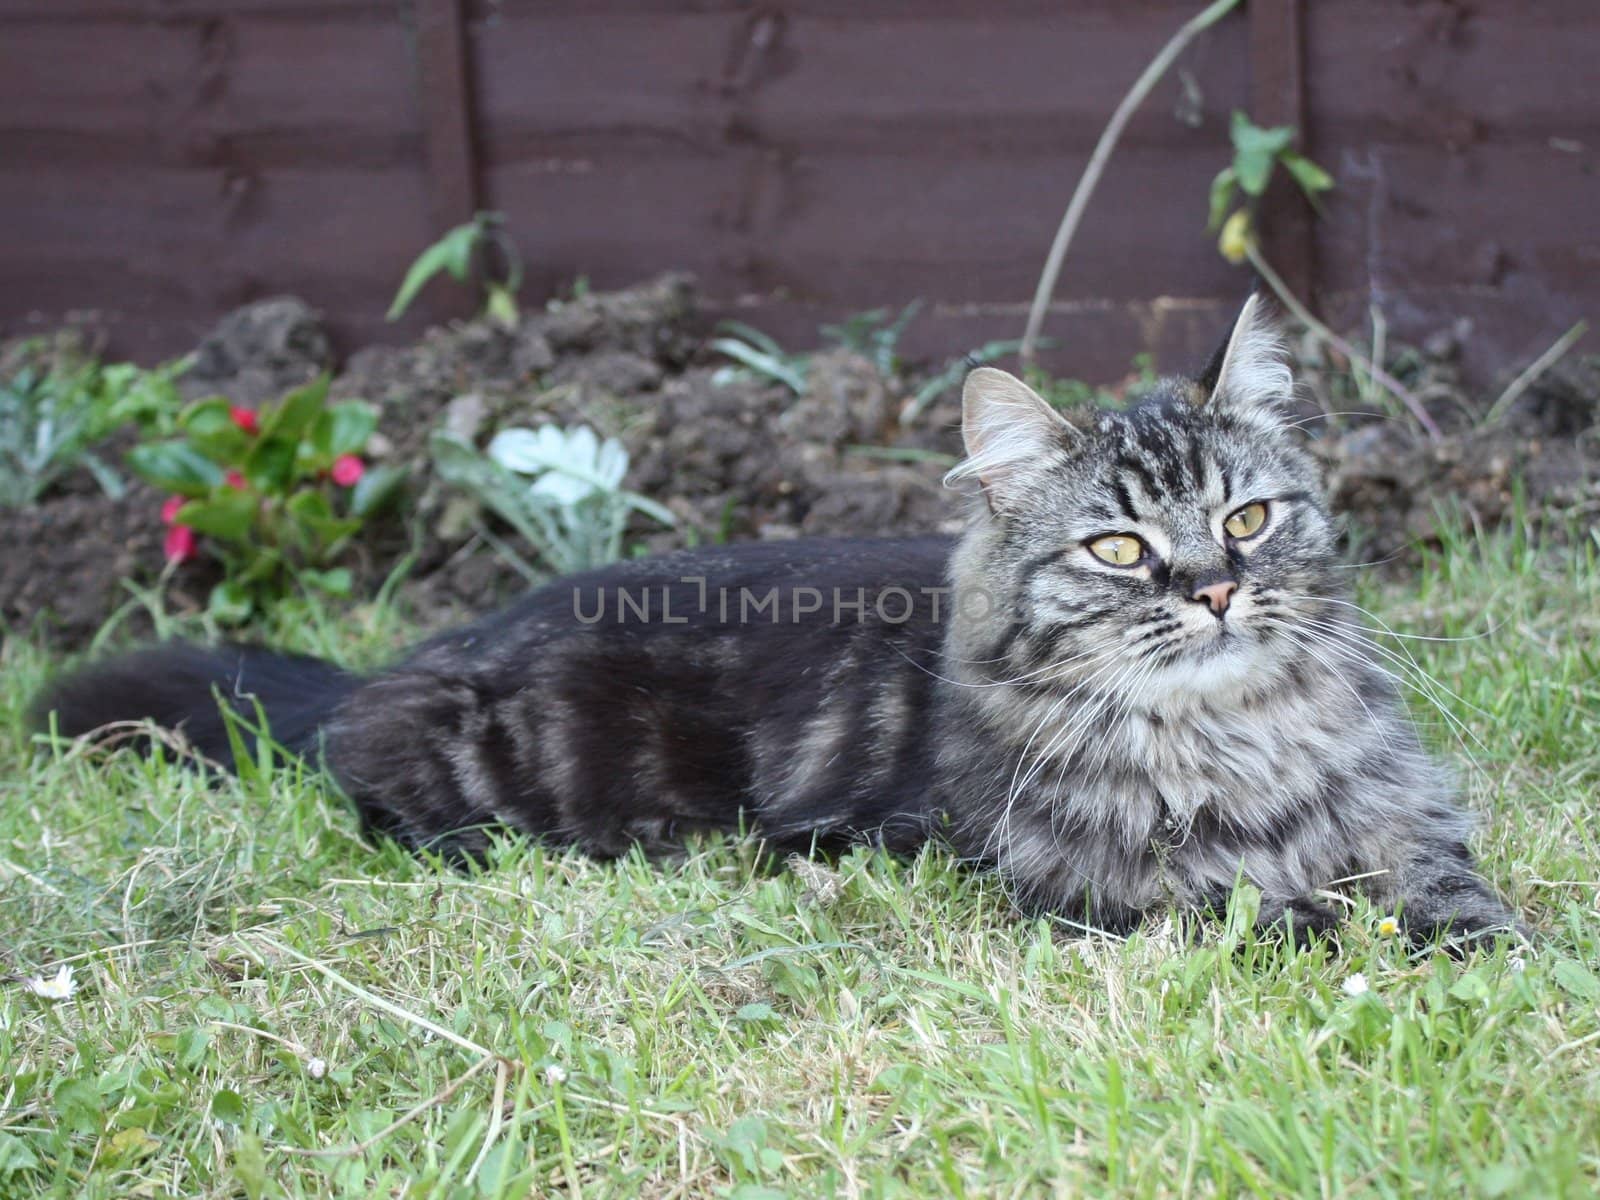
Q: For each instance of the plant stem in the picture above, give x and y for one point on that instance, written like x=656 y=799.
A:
x=1090 y=179
x=1302 y=314
x=1535 y=369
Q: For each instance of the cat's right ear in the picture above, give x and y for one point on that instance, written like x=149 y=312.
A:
x=1010 y=431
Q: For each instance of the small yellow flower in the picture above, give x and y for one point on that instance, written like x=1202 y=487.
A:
x=1234 y=242
x=1388 y=927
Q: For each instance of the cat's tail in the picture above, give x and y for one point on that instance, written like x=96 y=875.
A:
x=182 y=686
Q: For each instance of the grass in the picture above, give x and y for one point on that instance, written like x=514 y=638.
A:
x=269 y=1005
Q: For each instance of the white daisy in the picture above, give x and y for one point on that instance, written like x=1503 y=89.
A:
x=1356 y=985
x=59 y=987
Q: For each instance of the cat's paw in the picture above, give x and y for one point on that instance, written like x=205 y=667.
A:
x=1304 y=921
x=1458 y=937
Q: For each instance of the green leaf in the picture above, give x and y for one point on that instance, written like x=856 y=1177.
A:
x=207 y=416
x=648 y=507
x=230 y=604
x=344 y=429
x=1250 y=137
x=1223 y=188
x=764 y=342
x=263 y=566
x=15 y=1155
x=270 y=466
x=191 y=1046
x=1577 y=979
x=1252 y=169
x=1311 y=178
x=1256 y=149
x=376 y=490
x=309 y=506
x=315 y=524
x=105 y=475
x=331 y=533
x=228 y=1106
x=175 y=467
x=250 y=1165
x=1471 y=989
x=228 y=515
x=336 y=582
x=451 y=253
x=293 y=415
x=79 y=1106
x=791 y=373
x=224 y=444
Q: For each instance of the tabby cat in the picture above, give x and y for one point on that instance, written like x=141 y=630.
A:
x=1131 y=682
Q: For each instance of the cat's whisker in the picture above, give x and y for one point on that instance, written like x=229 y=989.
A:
x=1097 y=668
x=1039 y=674
x=1401 y=659
x=1459 y=728
x=1297 y=637
x=1415 y=637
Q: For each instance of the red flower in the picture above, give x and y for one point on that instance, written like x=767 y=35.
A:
x=246 y=419
x=347 y=470
x=170 y=507
x=181 y=544
x=234 y=480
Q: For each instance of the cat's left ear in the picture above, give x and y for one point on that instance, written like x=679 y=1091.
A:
x=1249 y=376
x=1012 y=435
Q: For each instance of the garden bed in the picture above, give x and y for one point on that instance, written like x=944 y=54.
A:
x=734 y=454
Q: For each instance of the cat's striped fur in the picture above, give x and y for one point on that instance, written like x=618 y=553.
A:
x=1109 y=737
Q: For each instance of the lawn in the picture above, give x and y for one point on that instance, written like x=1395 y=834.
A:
x=270 y=1005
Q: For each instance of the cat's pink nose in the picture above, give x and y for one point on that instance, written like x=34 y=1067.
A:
x=1216 y=595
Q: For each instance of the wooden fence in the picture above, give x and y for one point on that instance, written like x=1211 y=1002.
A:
x=164 y=160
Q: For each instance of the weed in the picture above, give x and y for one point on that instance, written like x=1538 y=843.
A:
x=481 y=244
x=560 y=490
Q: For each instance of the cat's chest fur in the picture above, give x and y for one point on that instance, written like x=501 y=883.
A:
x=1155 y=773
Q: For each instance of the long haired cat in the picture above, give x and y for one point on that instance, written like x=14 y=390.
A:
x=1130 y=683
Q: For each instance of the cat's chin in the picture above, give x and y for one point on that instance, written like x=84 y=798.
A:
x=1218 y=666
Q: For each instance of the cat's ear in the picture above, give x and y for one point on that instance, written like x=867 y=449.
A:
x=1009 y=430
x=1249 y=375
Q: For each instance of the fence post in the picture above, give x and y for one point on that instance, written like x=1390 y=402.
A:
x=444 y=98
x=1277 y=97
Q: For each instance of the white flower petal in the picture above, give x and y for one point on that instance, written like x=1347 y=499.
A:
x=1356 y=985
x=612 y=463
x=563 y=489
x=582 y=448
x=58 y=987
x=518 y=450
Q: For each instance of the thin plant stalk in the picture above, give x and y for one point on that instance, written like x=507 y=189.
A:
x=1090 y=179
x=1302 y=314
x=1534 y=369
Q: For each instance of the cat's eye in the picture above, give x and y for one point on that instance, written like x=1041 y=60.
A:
x=1118 y=549
x=1247 y=521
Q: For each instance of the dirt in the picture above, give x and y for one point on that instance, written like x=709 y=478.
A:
x=736 y=456
x=258 y=352
x=63 y=563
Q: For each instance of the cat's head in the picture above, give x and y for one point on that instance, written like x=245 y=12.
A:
x=1182 y=542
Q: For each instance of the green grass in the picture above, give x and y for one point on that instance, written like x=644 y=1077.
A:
x=270 y=1005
